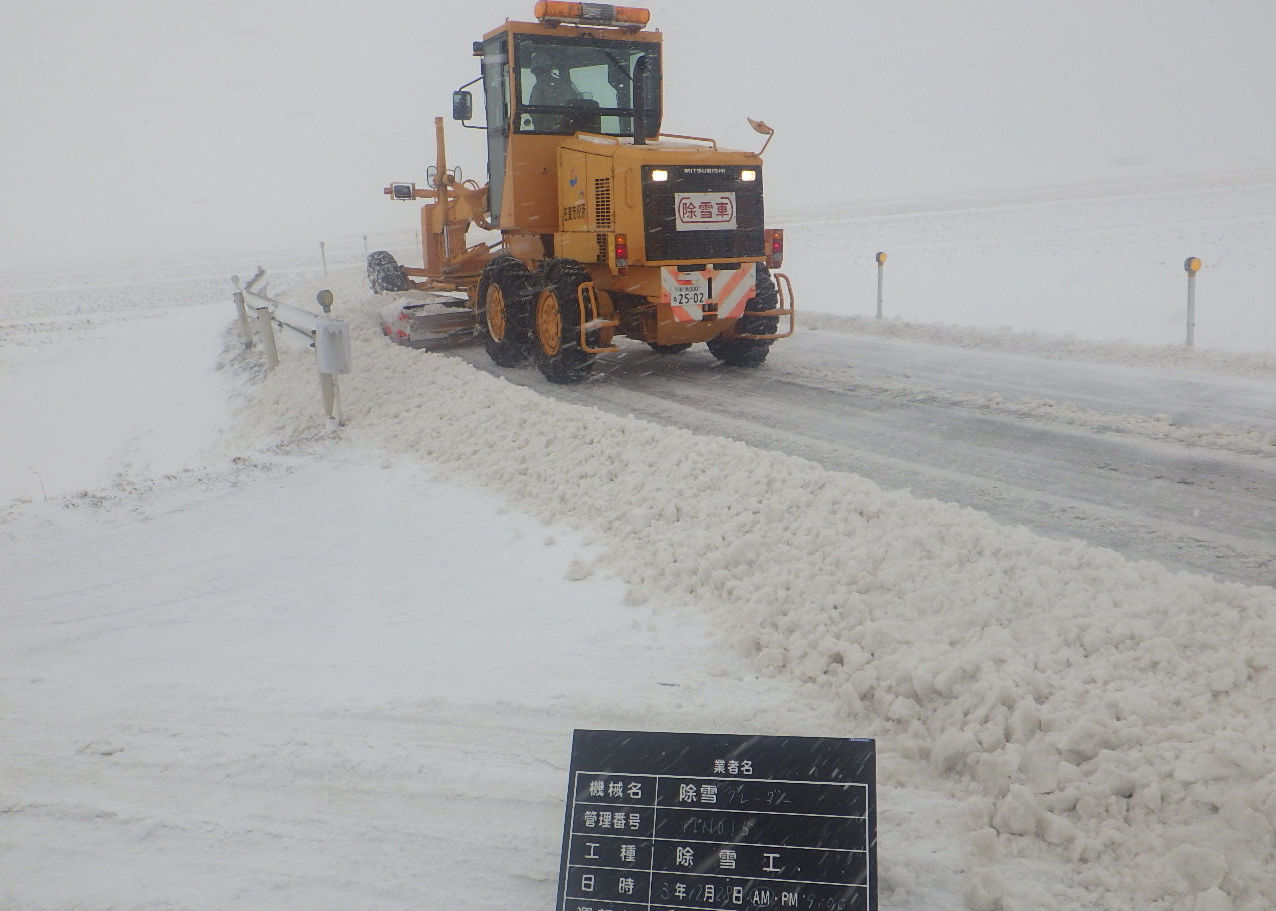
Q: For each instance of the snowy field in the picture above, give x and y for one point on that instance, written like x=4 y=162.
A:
x=247 y=661
x=1102 y=261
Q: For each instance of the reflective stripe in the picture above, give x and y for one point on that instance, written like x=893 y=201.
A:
x=736 y=291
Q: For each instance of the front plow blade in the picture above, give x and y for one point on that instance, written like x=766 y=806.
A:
x=427 y=319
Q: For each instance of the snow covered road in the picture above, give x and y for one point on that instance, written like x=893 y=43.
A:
x=1172 y=465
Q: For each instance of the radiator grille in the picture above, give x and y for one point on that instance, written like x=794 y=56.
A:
x=602 y=204
x=665 y=243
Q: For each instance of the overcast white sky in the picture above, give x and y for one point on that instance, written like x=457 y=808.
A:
x=142 y=127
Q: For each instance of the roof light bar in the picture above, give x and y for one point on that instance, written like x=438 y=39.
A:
x=549 y=12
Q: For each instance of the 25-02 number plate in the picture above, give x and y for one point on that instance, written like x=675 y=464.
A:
x=688 y=293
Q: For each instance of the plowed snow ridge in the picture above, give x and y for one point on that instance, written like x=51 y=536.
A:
x=1082 y=705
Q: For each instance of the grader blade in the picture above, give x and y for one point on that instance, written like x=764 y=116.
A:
x=427 y=319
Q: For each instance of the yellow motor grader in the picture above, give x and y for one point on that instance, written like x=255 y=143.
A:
x=608 y=225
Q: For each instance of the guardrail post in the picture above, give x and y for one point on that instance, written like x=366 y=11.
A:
x=267 y=328
x=332 y=355
x=330 y=338
x=245 y=328
x=1191 y=266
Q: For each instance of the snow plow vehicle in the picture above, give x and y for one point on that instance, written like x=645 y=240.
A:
x=608 y=226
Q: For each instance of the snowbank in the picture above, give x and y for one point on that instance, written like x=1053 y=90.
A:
x=1082 y=706
x=1056 y=347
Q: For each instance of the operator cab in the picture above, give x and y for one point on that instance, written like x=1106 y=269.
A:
x=581 y=68
x=581 y=84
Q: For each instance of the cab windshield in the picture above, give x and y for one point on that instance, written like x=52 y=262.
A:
x=568 y=85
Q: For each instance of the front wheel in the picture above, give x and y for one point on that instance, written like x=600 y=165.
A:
x=504 y=294
x=751 y=352
x=385 y=274
x=556 y=322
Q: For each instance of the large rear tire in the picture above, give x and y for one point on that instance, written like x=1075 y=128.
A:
x=751 y=352
x=385 y=274
x=504 y=308
x=556 y=322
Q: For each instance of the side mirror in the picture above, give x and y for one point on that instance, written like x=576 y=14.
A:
x=647 y=107
x=462 y=106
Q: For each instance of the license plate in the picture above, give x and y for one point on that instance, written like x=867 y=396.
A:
x=688 y=294
x=695 y=293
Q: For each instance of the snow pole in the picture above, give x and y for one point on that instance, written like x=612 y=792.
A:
x=1191 y=266
x=323 y=254
x=881 y=273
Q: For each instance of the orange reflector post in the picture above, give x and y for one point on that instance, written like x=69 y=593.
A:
x=549 y=11
x=774 y=241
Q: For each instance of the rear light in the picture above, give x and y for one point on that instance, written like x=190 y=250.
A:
x=622 y=253
x=774 y=241
x=551 y=13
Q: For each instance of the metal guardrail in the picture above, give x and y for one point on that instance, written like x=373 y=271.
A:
x=284 y=313
x=329 y=337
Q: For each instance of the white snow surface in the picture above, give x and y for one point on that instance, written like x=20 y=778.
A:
x=249 y=661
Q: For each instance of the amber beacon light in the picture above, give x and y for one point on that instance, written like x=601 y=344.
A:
x=552 y=13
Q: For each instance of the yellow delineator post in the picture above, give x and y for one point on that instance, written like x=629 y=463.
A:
x=881 y=271
x=1191 y=266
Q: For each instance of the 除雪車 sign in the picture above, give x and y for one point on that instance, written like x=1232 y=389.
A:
x=704 y=211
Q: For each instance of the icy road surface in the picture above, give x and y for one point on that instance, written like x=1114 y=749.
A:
x=1166 y=464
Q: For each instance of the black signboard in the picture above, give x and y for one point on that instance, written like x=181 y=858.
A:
x=719 y=822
